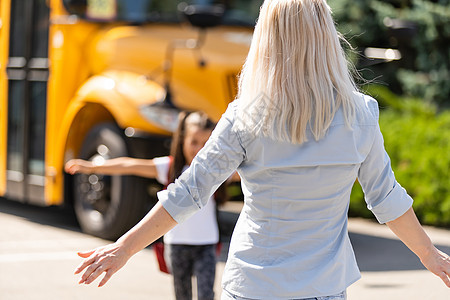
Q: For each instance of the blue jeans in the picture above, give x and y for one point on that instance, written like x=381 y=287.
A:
x=341 y=296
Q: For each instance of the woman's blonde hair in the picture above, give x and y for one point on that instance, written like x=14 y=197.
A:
x=296 y=74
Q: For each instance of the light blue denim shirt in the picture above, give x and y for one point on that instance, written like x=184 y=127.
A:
x=291 y=238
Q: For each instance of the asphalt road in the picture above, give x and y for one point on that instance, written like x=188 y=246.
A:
x=38 y=255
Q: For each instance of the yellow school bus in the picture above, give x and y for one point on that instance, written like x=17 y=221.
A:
x=105 y=78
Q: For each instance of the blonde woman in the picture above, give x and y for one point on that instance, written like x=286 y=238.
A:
x=299 y=135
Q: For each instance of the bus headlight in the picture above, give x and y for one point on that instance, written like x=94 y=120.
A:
x=161 y=115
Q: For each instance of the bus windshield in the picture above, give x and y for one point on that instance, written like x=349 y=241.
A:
x=237 y=12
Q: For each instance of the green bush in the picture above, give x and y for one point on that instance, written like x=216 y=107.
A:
x=417 y=139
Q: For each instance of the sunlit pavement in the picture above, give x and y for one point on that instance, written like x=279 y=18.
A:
x=389 y=269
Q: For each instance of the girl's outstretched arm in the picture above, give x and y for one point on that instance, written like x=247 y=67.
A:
x=115 y=166
x=110 y=258
x=409 y=230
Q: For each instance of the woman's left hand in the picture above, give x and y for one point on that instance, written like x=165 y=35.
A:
x=108 y=259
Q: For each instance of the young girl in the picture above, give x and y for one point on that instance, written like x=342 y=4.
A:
x=189 y=247
x=299 y=134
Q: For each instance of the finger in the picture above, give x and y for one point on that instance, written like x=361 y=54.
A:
x=74 y=169
x=89 y=273
x=85 y=254
x=95 y=274
x=105 y=278
x=84 y=264
x=70 y=164
x=445 y=278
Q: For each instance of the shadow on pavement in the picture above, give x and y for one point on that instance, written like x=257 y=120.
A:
x=382 y=254
x=373 y=254
x=54 y=216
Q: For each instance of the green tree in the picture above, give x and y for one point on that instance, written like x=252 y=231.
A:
x=420 y=29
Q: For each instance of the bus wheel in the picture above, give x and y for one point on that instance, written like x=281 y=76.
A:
x=106 y=206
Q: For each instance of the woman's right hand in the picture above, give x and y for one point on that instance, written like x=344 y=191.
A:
x=79 y=166
x=110 y=258
x=409 y=230
x=106 y=259
x=438 y=263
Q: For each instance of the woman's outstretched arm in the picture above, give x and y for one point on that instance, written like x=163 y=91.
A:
x=218 y=159
x=110 y=258
x=409 y=230
x=114 y=166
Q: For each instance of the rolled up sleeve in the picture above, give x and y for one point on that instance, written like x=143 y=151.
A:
x=214 y=163
x=384 y=196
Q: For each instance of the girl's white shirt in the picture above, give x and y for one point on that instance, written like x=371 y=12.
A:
x=202 y=228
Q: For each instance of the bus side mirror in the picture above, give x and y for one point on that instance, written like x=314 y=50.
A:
x=202 y=16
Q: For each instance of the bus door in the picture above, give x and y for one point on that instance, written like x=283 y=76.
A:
x=27 y=72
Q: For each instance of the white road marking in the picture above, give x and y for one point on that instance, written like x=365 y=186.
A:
x=36 y=257
x=42 y=244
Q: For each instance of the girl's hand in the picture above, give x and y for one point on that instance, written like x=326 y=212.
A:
x=78 y=166
x=107 y=259
x=439 y=264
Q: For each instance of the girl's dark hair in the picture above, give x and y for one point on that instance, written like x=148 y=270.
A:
x=201 y=121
